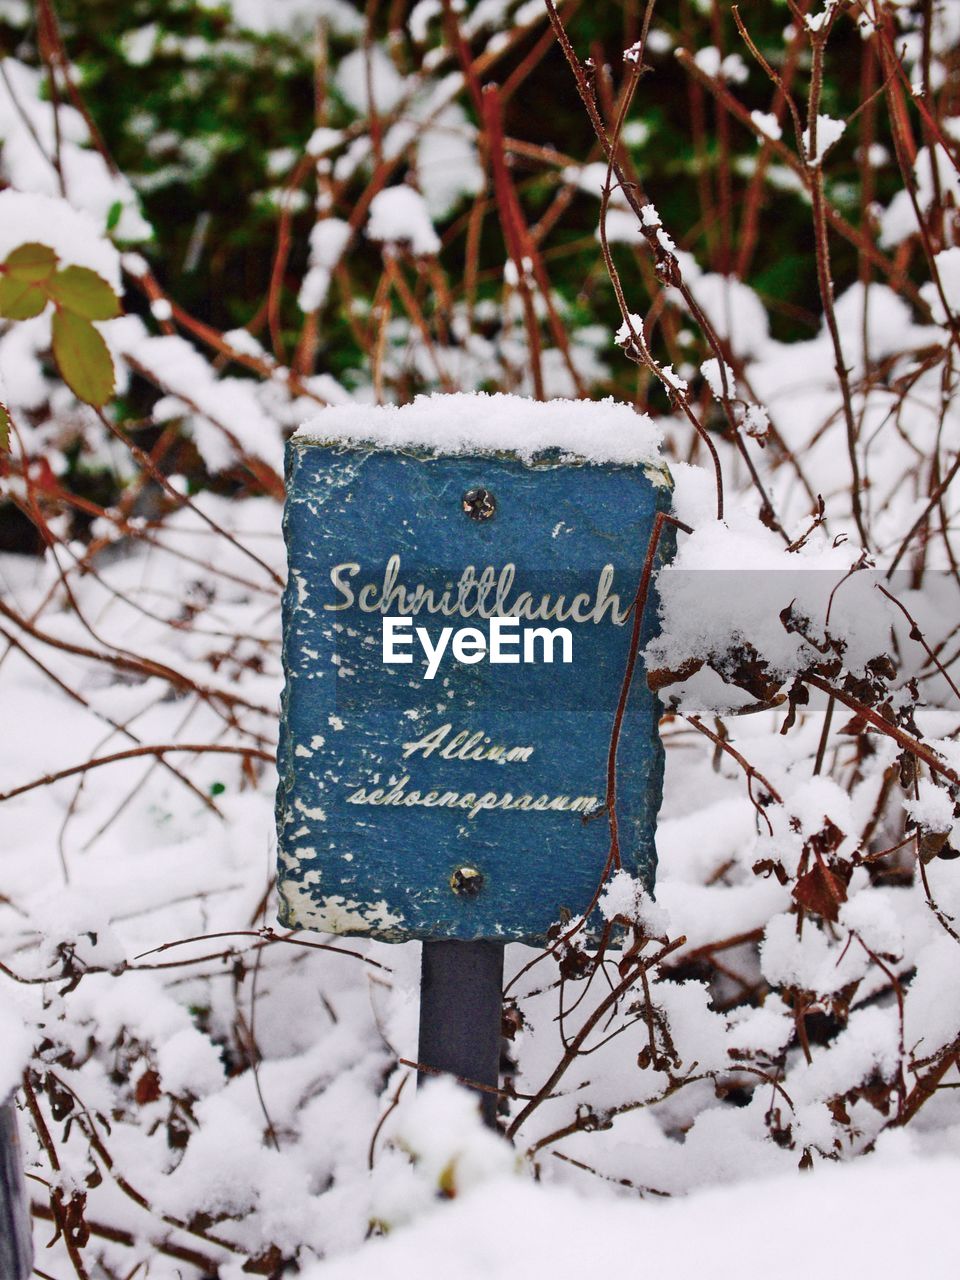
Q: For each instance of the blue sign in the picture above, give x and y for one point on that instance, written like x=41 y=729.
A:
x=456 y=631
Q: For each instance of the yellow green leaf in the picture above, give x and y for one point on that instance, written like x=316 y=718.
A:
x=4 y=429
x=30 y=262
x=82 y=358
x=20 y=299
x=83 y=292
x=447 y=1182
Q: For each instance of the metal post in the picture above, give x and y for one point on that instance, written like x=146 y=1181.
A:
x=461 y=992
x=16 y=1250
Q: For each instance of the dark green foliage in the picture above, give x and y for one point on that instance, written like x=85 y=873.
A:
x=196 y=123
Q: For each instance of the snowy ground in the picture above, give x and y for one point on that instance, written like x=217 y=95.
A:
x=847 y=1222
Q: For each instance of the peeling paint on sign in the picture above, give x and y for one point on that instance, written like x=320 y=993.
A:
x=440 y=775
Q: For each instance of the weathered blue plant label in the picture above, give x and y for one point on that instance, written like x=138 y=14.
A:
x=456 y=631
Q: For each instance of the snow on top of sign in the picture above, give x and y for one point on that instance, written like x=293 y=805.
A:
x=595 y=431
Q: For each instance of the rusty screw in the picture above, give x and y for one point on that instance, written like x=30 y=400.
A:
x=466 y=882
x=479 y=504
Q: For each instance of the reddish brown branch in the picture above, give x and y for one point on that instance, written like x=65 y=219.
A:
x=132 y=753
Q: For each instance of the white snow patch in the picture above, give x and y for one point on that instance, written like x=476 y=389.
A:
x=400 y=215
x=767 y=123
x=829 y=132
x=548 y=1230
x=328 y=240
x=73 y=235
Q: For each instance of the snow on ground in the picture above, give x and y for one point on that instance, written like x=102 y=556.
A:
x=785 y=1227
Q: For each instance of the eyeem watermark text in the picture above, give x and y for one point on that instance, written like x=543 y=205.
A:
x=501 y=642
